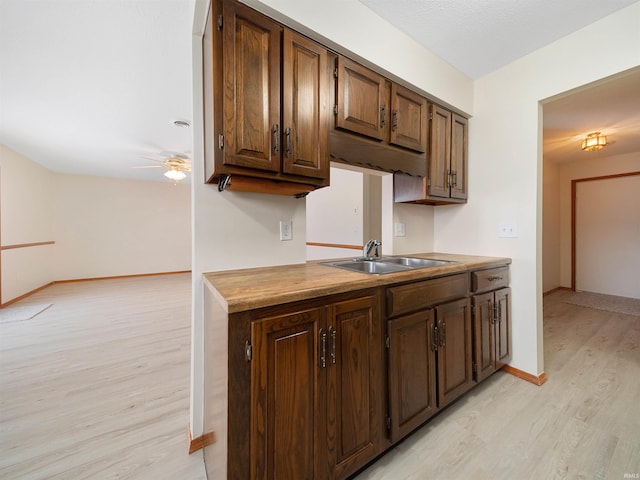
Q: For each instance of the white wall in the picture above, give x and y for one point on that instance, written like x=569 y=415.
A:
x=589 y=167
x=335 y=215
x=101 y=226
x=109 y=227
x=26 y=192
x=505 y=161
x=608 y=236
x=550 y=227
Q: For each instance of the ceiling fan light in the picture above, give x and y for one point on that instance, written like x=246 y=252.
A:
x=175 y=175
x=594 y=141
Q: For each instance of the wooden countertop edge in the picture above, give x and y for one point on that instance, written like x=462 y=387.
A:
x=230 y=287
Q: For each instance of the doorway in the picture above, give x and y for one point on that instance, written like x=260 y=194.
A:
x=606 y=234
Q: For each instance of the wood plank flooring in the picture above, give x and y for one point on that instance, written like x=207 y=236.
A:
x=583 y=423
x=97 y=386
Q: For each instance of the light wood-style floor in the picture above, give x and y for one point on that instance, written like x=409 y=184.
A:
x=584 y=422
x=97 y=386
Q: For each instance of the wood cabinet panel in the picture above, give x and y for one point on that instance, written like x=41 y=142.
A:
x=412 y=373
x=459 y=157
x=455 y=351
x=288 y=407
x=503 y=327
x=489 y=279
x=418 y=295
x=484 y=336
x=361 y=102
x=409 y=125
x=251 y=45
x=355 y=383
x=439 y=152
x=305 y=115
x=492 y=331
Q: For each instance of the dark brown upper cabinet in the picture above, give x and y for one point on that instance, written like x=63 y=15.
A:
x=362 y=101
x=267 y=101
x=448 y=155
x=446 y=179
x=371 y=105
x=409 y=119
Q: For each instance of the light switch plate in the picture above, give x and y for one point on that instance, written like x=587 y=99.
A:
x=286 y=230
x=507 y=230
x=400 y=229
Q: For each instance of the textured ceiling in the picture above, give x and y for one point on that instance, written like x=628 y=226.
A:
x=93 y=86
x=480 y=36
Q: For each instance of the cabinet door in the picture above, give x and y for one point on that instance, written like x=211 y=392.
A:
x=251 y=71
x=287 y=401
x=459 y=157
x=412 y=372
x=454 y=350
x=503 y=327
x=362 y=100
x=408 y=119
x=484 y=338
x=439 y=152
x=355 y=385
x=305 y=109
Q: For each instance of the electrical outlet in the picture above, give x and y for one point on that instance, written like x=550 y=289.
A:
x=507 y=230
x=286 y=230
x=400 y=229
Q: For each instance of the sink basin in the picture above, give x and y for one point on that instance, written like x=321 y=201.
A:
x=366 y=266
x=414 y=262
x=387 y=264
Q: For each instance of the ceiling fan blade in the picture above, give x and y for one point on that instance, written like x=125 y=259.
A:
x=153 y=159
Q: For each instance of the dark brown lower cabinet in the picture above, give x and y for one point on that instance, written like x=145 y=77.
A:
x=412 y=373
x=355 y=385
x=455 y=350
x=312 y=394
x=287 y=405
x=430 y=363
x=492 y=336
x=317 y=386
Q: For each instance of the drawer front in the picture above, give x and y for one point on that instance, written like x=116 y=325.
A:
x=490 y=279
x=419 y=295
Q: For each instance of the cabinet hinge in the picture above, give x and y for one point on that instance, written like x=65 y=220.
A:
x=335 y=109
x=431 y=116
x=248 y=351
x=389 y=424
x=335 y=72
x=220 y=141
x=219 y=22
x=429 y=182
x=387 y=341
x=475 y=367
x=473 y=309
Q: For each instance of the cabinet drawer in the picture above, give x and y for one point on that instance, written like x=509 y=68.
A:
x=419 y=295
x=490 y=279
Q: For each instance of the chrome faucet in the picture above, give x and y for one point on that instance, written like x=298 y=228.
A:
x=371 y=245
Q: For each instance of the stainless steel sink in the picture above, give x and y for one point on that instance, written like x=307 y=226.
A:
x=387 y=264
x=415 y=262
x=366 y=266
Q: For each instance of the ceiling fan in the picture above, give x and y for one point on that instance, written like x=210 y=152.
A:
x=174 y=163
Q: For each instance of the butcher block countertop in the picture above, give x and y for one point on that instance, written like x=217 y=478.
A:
x=252 y=288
